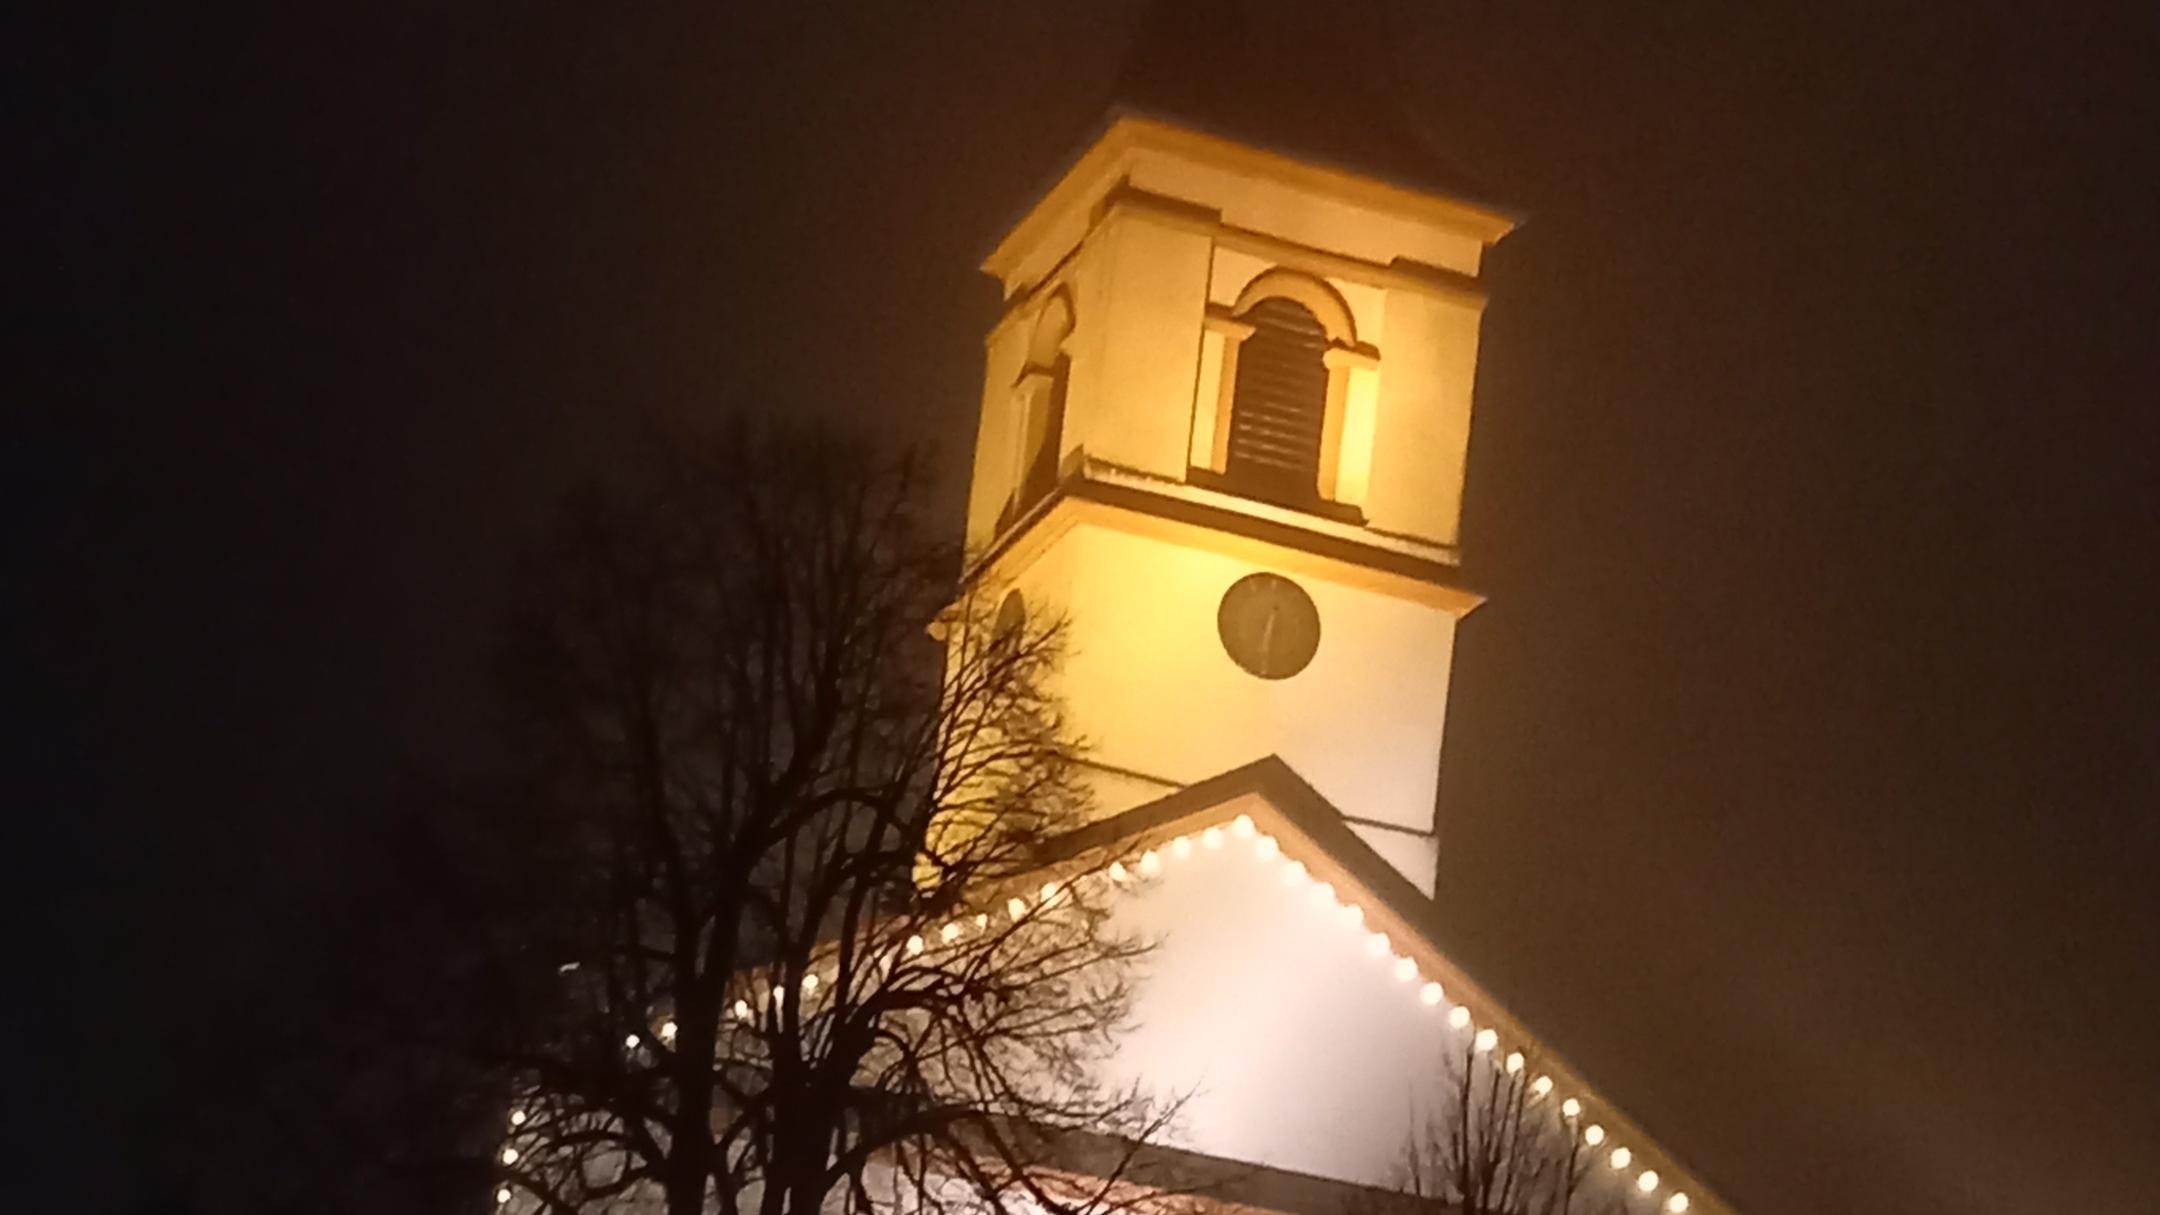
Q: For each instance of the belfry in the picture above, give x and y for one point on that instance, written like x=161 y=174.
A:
x=1225 y=418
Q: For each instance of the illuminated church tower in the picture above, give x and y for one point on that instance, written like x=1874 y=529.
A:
x=1224 y=422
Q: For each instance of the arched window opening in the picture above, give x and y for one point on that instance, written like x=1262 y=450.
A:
x=1278 y=405
x=1039 y=400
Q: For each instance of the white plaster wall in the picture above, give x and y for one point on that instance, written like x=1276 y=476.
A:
x=1300 y=1050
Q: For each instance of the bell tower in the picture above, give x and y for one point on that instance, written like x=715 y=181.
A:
x=1224 y=420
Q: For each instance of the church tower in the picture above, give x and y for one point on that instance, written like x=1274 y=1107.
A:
x=1224 y=421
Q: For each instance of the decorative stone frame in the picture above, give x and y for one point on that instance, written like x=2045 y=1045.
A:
x=1223 y=332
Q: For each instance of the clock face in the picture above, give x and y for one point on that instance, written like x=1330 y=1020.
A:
x=1269 y=625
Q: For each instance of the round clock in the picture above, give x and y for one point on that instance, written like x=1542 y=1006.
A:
x=1269 y=625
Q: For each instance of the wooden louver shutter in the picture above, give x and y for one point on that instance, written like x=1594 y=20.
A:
x=1278 y=404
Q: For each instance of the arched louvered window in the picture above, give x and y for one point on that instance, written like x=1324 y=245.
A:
x=1278 y=406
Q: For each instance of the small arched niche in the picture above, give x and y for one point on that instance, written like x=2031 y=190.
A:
x=1038 y=403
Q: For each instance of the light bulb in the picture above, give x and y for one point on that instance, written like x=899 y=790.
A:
x=1541 y=1086
x=809 y=983
x=667 y=1032
x=1150 y=864
x=1676 y=1204
x=1353 y=915
x=1266 y=848
x=1571 y=1107
x=1323 y=894
x=1293 y=873
x=1242 y=826
x=1015 y=907
x=982 y=919
x=1211 y=838
x=1181 y=847
x=509 y=1155
x=949 y=933
x=1487 y=1039
x=1514 y=1062
x=914 y=945
x=1376 y=945
x=1117 y=871
x=742 y=1010
x=1593 y=1135
x=517 y=1117
x=1459 y=1016
x=630 y=1043
x=1431 y=994
x=1049 y=892
x=502 y=1195
x=1621 y=1156
x=1648 y=1181
x=1405 y=969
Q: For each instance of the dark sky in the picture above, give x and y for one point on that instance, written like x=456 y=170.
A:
x=1802 y=770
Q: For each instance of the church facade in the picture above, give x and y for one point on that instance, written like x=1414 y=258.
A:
x=1224 y=426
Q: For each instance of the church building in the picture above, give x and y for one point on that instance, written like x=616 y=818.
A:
x=1225 y=418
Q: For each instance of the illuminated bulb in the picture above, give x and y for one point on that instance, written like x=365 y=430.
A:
x=1150 y=864
x=1015 y=908
x=1620 y=1157
x=1514 y=1062
x=914 y=945
x=1676 y=1204
x=1571 y=1107
x=1431 y=994
x=517 y=1117
x=1242 y=826
x=1376 y=945
x=509 y=1155
x=742 y=1010
x=1541 y=1086
x=809 y=984
x=949 y=933
x=1266 y=848
x=1049 y=892
x=1353 y=915
x=982 y=919
x=1117 y=871
x=630 y=1043
x=1211 y=838
x=1181 y=847
x=502 y=1195
x=1487 y=1039
x=1323 y=894
x=1648 y=1181
x=1594 y=1135
x=667 y=1032
x=1405 y=969
x=1293 y=873
x=1459 y=1016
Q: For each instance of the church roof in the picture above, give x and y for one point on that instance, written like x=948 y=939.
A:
x=1308 y=81
x=1267 y=801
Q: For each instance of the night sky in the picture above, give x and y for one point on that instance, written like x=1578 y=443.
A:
x=1801 y=773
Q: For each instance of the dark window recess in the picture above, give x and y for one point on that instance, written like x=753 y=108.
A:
x=1040 y=475
x=1278 y=406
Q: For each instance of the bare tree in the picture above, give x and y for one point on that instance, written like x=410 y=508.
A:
x=787 y=942
x=1494 y=1145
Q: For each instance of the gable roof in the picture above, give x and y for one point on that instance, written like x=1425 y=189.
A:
x=1266 y=799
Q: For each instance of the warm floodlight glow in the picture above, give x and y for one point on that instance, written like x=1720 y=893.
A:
x=1541 y=1086
x=509 y=1155
x=1648 y=1181
x=1150 y=864
x=1676 y=1204
x=1117 y=871
x=1016 y=907
x=1459 y=1016
x=1266 y=848
x=1621 y=1156
x=1431 y=994
x=949 y=933
x=914 y=945
x=517 y=1117
x=1376 y=945
x=1514 y=1062
x=1486 y=1039
x=1593 y=1134
x=1181 y=847
x=1571 y=1107
x=1242 y=826
x=1211 y=838
x=1405 y=969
